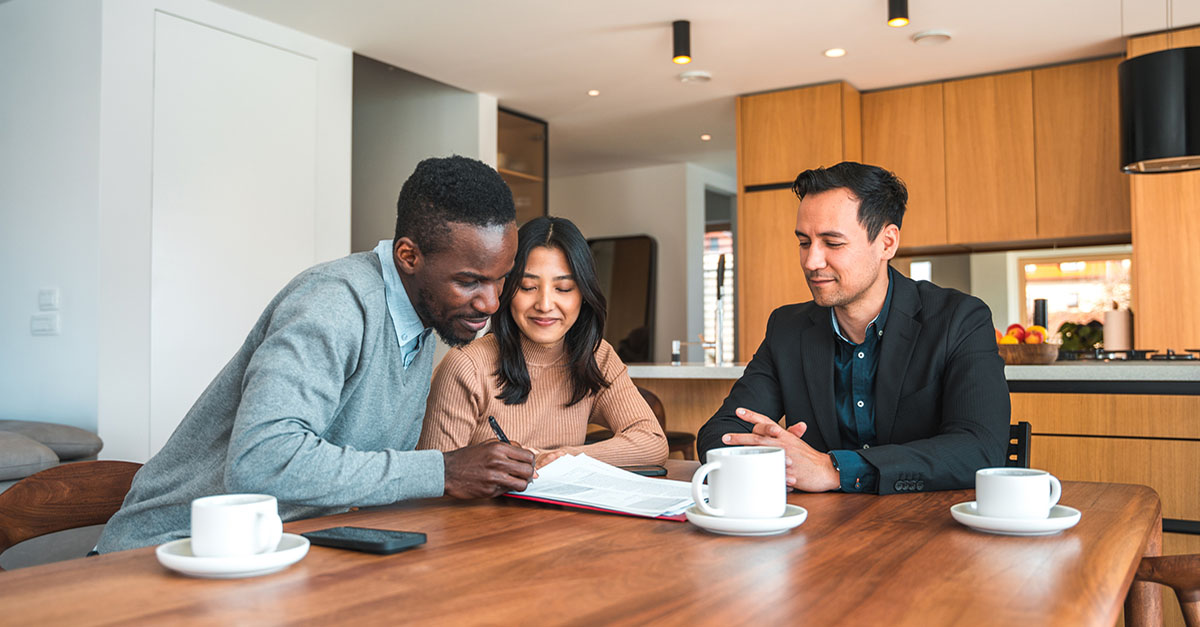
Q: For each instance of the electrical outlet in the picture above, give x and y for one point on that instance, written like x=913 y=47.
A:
x=48 y=299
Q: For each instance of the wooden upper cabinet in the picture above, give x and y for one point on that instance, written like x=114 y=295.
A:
x=783 y=133
x=769 y=272
x=902 y=132
x=1081 y=189
x=990 y=195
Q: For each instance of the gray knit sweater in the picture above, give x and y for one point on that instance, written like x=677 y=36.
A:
x=316 y=409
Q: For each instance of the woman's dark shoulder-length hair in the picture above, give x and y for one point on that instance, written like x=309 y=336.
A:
x=582 y=339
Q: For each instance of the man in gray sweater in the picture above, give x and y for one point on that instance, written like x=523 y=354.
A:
x=322 y=405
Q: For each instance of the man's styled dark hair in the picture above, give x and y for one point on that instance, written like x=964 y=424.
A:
x=450 y=189
x=582 y=339
x=882 y=196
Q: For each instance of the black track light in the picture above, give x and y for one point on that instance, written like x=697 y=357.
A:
x=897 y=13
x=683 y=42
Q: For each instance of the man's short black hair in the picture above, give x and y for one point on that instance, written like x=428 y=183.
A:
x=882 y=196
x=450 y=189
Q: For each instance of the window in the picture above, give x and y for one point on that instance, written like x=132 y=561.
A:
x=1076 y=288
x=717 y=243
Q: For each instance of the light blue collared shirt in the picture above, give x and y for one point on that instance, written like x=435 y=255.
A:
x=410 y=333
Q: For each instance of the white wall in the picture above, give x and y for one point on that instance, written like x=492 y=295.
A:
x=665 y=202
x=160 y=243
x=154 y=245
x=49 y=187
x=401 y=118
x=990 y=281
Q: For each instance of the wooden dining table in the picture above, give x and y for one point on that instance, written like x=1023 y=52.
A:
x=857 y=560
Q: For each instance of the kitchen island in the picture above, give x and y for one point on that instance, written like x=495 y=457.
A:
x=691 y=392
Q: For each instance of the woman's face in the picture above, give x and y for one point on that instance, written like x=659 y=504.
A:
x=547 y=301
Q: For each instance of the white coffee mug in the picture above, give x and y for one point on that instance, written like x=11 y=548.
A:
x=235 y=525
x=745 y=482
x=1015 y=492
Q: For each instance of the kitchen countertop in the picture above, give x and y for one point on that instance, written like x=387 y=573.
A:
x=1061 y=377
x=1060 y=371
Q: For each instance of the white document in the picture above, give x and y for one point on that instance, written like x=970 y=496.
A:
x=581 y=480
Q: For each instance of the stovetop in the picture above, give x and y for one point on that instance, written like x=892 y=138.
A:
x=1099 y=354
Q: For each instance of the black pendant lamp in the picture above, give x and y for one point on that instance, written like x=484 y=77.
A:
x=897 y=13
x=1160 y=111
x=683 y=42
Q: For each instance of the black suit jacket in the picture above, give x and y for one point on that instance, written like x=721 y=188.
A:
x=941 y=401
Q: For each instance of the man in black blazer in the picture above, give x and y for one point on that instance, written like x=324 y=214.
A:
x=887 y=385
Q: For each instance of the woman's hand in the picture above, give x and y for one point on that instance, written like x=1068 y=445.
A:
x=545 y=457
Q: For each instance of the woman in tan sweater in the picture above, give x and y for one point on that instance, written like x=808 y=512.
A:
x=545 y=371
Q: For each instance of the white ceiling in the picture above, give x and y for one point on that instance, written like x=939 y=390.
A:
x=541 y=56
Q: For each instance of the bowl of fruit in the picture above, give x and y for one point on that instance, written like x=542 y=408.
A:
x=1020 y=346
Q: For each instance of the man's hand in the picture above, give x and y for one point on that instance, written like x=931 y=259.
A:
x=487 y=469
x=807 y=469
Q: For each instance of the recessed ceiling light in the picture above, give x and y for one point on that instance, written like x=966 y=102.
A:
x=694 y=76
x=931 y=37
x=835 y=52
x=593 y=92
x=705 y=137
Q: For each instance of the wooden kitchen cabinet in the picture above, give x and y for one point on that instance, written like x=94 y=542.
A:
x=769 y=272
x=903 y=132
x=783 y=133
x=1145 y=439
x=1166 y=238
x=990 y=184
x=1081 y=190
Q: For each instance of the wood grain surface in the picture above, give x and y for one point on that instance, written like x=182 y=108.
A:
x=783 y=133
x=903 y=132
x=1110 y=415
x=858 y=559
x=63 y=497
x=990 y=194
x=769 y=271
x=1081 y=189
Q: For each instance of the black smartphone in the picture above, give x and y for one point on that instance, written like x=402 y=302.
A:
x=646 y=471
x=381 y=541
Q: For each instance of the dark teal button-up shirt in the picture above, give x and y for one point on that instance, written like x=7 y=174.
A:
x=854 y=368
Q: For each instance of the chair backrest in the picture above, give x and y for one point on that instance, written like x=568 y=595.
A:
x=1018 y=445
x=656 y=406
x=64 y=497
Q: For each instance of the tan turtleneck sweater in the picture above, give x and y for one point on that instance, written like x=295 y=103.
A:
x=463 y=395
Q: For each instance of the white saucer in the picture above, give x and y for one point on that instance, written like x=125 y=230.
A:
x=178 y=556
x=792 y=517
x=1061 y=517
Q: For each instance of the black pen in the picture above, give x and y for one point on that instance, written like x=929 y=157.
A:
x=497 y=429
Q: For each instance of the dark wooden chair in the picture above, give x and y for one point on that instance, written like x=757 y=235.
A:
x=64 y=497
x=1180 y=573
x=681 y=441
x=1018 y=445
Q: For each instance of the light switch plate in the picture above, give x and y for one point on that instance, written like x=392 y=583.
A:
x=48 y=299
x=43 y=324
